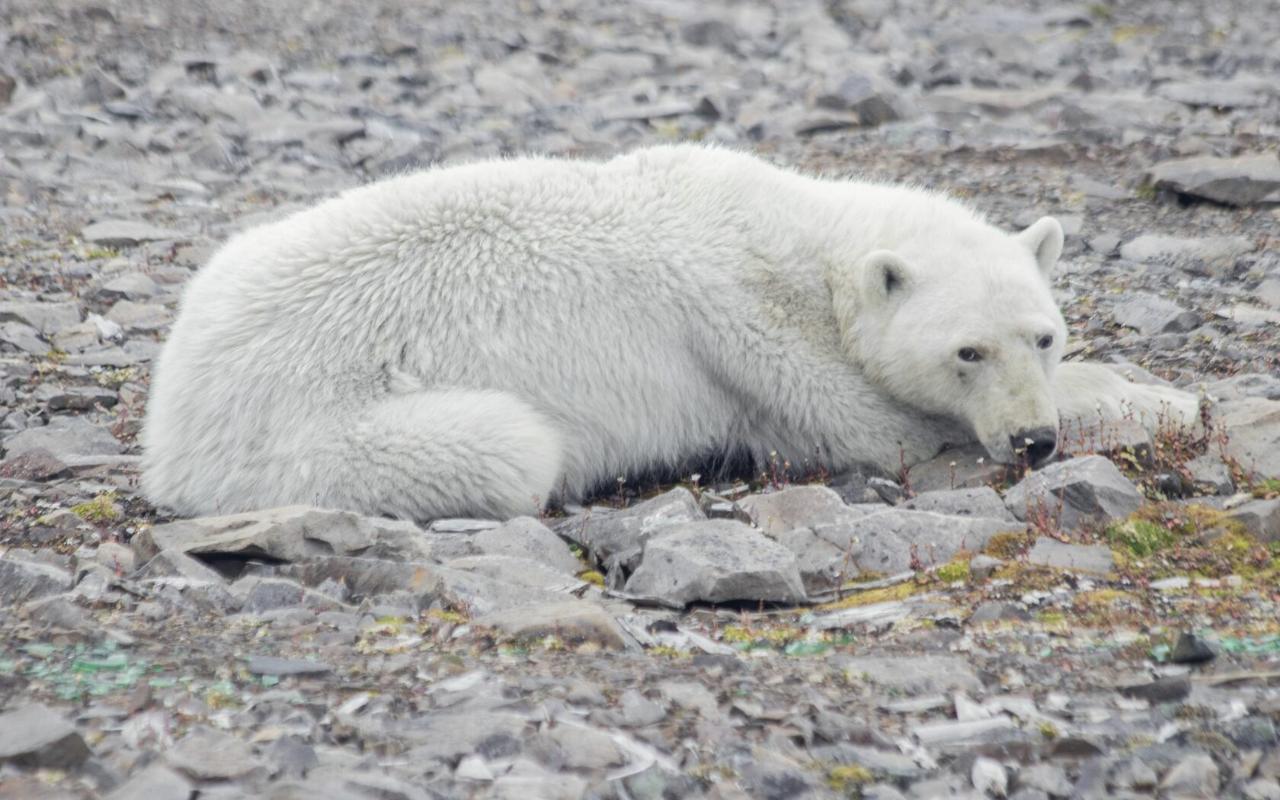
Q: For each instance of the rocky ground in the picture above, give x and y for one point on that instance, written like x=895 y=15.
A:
x=1106 y=627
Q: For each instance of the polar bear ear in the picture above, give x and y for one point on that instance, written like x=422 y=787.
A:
x=885 y=277
x=1044 y=239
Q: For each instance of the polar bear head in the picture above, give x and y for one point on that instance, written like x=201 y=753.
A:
x=963 y=324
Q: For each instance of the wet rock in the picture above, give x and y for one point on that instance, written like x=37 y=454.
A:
x=1253 y=429
x=37 y=737
x=1151 y=314
x=571 y=621
x=156 y=782
x=1093 y=558
x=126 y=233
x=982 y=502
x=1075 y=492
x=1240 y=181
x=716 y=561
x=605 y=533
x=290 y=533
x=23 y=580
x=1194 y=776
x=527 y=538
x=208 y=754
x=1191 y=649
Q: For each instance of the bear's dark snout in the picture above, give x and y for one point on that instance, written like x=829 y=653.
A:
x=1037 y=444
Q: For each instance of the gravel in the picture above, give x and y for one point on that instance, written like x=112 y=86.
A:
x=884 y=636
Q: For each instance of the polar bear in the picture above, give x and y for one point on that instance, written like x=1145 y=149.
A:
x=476 y=340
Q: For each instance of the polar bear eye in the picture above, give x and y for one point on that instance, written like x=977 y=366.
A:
x=970 y=355
x=1045 y=342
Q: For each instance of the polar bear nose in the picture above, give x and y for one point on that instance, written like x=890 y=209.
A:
x=1038 y=444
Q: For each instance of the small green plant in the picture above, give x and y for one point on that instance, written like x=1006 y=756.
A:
x=101 y=253
x=1140 y=537
x=101 y=510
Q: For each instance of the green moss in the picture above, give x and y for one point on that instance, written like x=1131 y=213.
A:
x=101 y=510
x=955 y=570
x=899 y=591
x=592 y=576
x=848 y=780
x=101 y=253
x=1007 y=545
x=1139 y=537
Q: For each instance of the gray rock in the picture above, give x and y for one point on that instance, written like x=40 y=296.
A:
x=1162 y=690
x=34 y=465
x=46 y=318
x=1262 y=789
x=1075 y=492
x=1260 y=517
x=1240 y=181
x=571 y=621
x=1253 y=428
x=1240 y=387
x=982 y=566
x=872 y=103
x=897 y=540
x=528 y=538
x=290 y=533
x=208 y=754
x=1191 y=649
x=25 y=580
x=156 y=782
x=1127 y=438
x=716 y=561
x=280 y=667
x=584 y=748
x=795 y=507
x=258 y=594
x=982 y=502
x=1195 y=775
x=23 y=338
x=639 y=711
x=1238 y=92
x=1094 y=558
x=130 y=286
x=139 y=317
x=923 y=674
x=965 y=734
x=1048 y=778
x=1210 y=471
x=959 y=468
x=448 y=736
x=604 y=533
x=1212 y=255
x=125 y=233
x=822 y=565
x=1150 y=314
x=989 y=777
x=37 y=737
x=517 y=572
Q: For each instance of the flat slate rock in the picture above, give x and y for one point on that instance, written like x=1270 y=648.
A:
x=979 y=502
x=1093 y=558
x=526 y=537
x=573 y=622
x=156 y=782
x=605 y=532
x=795 y=507
x=64 y=437
x=22 y=580
x=1240 y=181
x=280 y=667
x=290 y=533
x=1253 y=430
x=124 y=233
x=898 y=539
x=208 y=754
x=716 y=561
x=36 y=736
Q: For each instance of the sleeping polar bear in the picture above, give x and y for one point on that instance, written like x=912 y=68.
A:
x=470 y=341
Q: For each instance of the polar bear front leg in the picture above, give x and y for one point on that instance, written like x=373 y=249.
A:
x=430 y=454
x=1088 y=393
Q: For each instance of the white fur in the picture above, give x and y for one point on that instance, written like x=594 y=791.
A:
x=469 y=340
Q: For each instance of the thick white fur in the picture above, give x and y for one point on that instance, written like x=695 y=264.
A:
x=471 y=340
